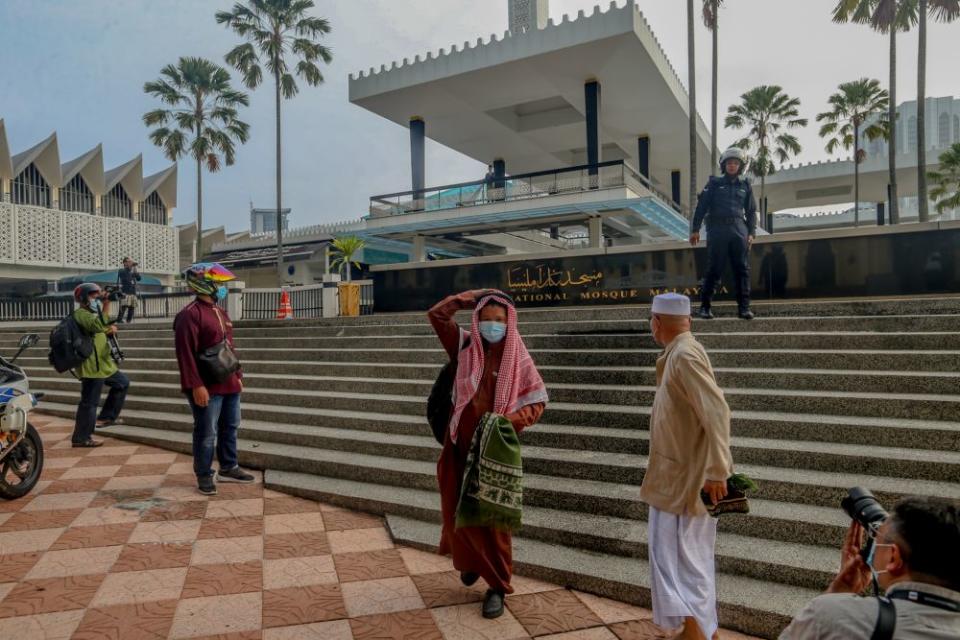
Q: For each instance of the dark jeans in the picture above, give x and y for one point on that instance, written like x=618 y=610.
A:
x=129 y=311
x=90 y=389
x=215 y=427
x=727 y=242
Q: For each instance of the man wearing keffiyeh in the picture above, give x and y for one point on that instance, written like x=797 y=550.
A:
x=496 y=375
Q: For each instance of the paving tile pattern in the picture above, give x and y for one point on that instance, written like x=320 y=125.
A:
x=115 y=542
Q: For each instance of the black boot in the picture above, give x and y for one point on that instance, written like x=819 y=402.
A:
x=469 y=578
x=745 y=314
x=492 y=605
x=705 y=313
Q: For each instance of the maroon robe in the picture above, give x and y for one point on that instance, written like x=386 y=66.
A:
x=481 y=550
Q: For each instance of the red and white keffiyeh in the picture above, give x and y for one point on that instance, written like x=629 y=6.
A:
x=518 y=382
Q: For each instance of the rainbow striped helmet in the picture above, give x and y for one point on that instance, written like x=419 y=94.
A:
x=205 y=277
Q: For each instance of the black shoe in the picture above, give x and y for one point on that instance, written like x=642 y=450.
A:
x=746 y=314
x=108 y=423
x=705 y=313
x=492 y=605
x=235 y=475
x=89 y=444
x=469 y=578
x=206 y=486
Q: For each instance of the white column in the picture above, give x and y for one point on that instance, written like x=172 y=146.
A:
x=596 y=232
x=419 y=251
x=235 y=300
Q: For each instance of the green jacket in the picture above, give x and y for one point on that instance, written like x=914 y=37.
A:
x=100 y=364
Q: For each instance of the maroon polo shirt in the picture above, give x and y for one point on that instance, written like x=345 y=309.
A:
x=196 y=328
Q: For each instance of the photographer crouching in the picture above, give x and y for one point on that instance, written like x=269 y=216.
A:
x=911 y=555
x=101 y=368
x=127 y=279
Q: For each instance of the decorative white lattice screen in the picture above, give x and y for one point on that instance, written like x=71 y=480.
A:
x=83 y=240
x=38 y=236
x=6 y=232
x=159 y=248
x=124 y=238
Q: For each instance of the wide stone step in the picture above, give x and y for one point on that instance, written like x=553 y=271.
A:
x=283 y=374
x=894 y=324
x=791 y=563
x=876 y=360
x=792 y=483
x=617 y=404
x=743 y=340
x=757 y=607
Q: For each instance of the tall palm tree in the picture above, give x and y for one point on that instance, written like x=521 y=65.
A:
x=692 y=104
x=942 y=11
x=853 y=105
x=890 y=17
x=711 y=19
x=199 y=118
x=946 y=181
x=768 y=114
x=279 y=33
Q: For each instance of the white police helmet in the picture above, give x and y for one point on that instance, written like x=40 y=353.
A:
x=733 y=153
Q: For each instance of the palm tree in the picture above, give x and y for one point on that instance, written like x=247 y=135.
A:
x=942 y=11
x=276 y=30
x=345 y=248
x=767 y=113
x=711 y=19
x=946 y=181
x=885 y=16
x=199 y=119
x=854 y=104
x=692 y=104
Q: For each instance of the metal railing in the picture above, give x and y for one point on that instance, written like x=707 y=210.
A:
x=261 y=304
x=253 y=304
x=46 y=308
x=606 y=175
x=160 y=305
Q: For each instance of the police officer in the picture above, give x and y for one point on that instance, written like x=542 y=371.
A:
x=730 y=210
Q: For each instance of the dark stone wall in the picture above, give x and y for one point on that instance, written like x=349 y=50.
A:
x=874 y=265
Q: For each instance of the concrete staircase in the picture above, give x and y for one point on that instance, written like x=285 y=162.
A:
x=825 y=396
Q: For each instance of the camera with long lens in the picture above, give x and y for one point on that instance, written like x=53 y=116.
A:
x=864 y=508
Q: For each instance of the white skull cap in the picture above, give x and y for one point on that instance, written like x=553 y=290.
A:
x=671 y=304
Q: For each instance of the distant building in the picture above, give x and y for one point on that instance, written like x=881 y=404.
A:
x=265 y=220
x=942 y=125
x=60 y=219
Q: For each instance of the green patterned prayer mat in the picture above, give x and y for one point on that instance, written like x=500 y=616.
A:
x=492 y=491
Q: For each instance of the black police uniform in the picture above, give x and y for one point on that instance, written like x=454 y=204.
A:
x=728 y=207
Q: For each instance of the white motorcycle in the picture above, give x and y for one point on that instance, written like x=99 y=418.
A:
x=21 y=450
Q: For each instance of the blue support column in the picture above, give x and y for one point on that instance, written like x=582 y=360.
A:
x=643 y=156
x=591 y=95
x=418 y=159
x=675 y=186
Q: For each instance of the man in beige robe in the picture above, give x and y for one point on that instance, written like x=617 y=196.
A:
x=689 y=452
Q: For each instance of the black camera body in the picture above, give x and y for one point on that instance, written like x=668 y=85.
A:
x=111 y=293
x=864 y=508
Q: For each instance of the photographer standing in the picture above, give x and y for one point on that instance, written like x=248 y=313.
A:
x=915 y=560
x=97 y=370
x=210 y=376
x=127 y=279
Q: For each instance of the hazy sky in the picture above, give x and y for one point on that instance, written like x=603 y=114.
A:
x=78 y=67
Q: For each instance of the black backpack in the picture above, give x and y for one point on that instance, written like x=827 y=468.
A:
x=440 y=402
x=69 y=345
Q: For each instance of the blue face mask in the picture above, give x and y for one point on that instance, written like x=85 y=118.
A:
x=221 y=292
x=96 y=305
x=492 y=331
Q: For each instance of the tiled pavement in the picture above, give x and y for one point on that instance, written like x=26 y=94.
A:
x=116 y=543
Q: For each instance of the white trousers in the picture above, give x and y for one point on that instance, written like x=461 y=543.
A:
x=682 y=568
